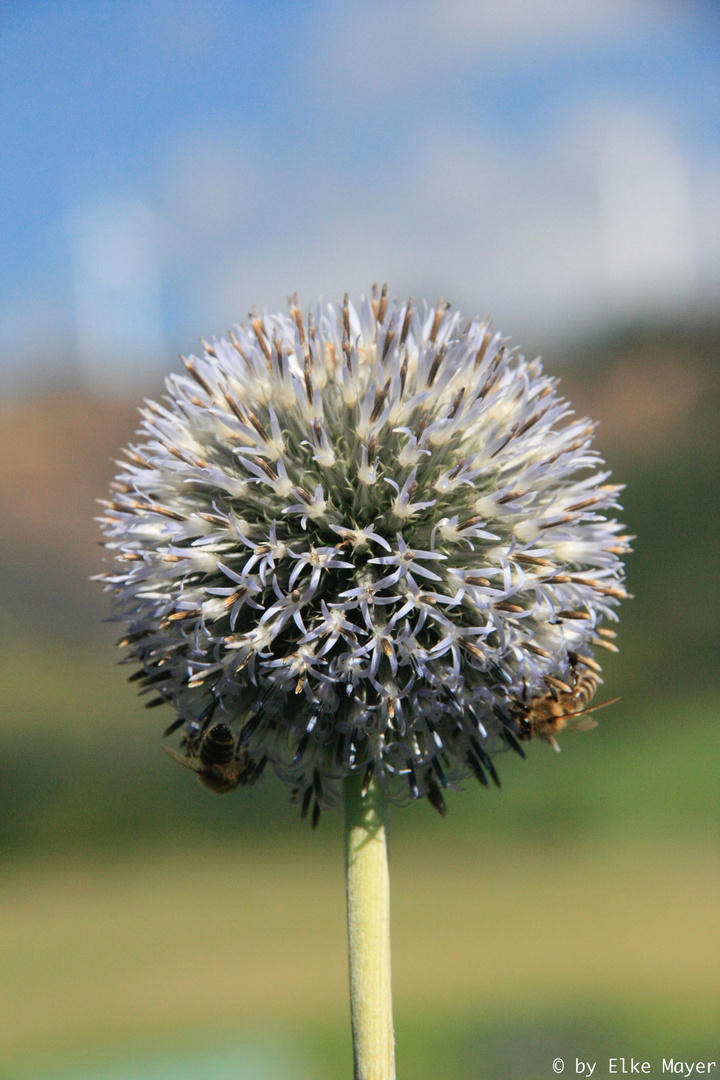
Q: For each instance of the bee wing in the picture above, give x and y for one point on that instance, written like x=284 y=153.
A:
x=591 y=708
x=230 y=771
x=580 y=723
x=183 y=759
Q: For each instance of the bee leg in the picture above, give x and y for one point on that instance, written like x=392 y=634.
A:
x=306 y=802
x=434 y=796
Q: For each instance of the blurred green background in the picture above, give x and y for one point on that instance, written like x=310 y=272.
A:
x=150 y=928
x=165 y=165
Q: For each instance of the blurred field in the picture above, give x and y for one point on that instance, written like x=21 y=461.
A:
x=203 y=944
x=194 y=947
x=150 y=930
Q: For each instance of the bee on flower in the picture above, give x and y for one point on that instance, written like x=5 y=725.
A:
x=362 y=541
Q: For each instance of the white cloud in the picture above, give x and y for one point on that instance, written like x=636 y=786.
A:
x=536 y=230
x=208 y=183
x=537 y=235
x=115 y=249
x=607 y=210
x=648 y=248
x=371 y=48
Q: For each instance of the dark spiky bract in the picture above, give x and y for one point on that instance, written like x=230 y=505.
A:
x=361 y=540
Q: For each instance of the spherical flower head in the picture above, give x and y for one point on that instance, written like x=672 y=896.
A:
x=370 y=540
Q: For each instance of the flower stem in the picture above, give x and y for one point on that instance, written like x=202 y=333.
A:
x=368 y=910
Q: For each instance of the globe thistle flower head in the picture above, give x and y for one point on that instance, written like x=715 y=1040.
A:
x=374 y=539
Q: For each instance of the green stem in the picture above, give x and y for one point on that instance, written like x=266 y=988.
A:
x=368 y=910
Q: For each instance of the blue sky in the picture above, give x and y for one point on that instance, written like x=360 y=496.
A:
x=166 y=165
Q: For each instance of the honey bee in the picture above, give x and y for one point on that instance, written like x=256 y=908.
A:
x=562 y=708
x=214 y=759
